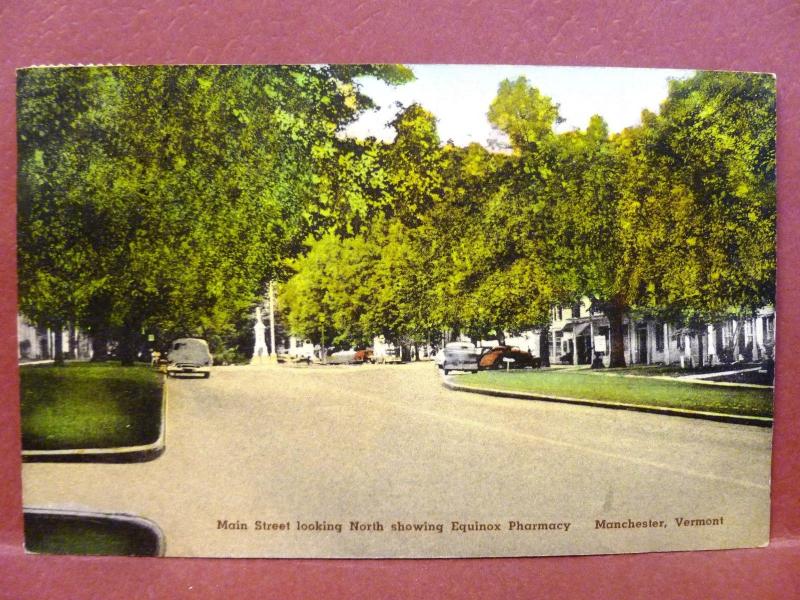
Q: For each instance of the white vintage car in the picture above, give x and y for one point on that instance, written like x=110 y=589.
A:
x=189 y=355
x=458 y=356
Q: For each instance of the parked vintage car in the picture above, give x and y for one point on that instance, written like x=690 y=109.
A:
x=341 y=357
x=496 y=358
x=389 y=356
x=189 y=355
x=365 y=355
x=460 y=356
x=350 y=357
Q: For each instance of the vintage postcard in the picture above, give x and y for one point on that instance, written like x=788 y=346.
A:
x=358 y=311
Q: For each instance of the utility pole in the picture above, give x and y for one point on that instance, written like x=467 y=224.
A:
x=273 y=355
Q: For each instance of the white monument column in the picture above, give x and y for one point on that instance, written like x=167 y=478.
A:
x=260 y=351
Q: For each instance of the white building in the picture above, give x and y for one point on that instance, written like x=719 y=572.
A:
x=39 y=343
x=576 y=332
x=297 y=347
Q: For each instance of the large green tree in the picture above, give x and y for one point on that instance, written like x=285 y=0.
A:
x=590 y=228
x=180 y=189
x=369 y=278
x=706 y=185
x=526 y=216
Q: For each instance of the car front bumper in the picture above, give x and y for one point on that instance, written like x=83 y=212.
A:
x=460 y=365
x=183 y=368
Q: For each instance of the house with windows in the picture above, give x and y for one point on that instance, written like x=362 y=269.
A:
x=578 y=332
x=36 y=343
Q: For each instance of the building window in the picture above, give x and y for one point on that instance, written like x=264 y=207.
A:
x=727 y=333
x=769 y=329
x=560 y=313
x=659 y=337
x=576 y=310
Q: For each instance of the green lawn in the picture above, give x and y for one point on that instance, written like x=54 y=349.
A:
x=589 y=385
x=71 y=534
x=87 y=405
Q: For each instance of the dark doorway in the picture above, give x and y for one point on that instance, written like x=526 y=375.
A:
x=641 y=345
x=584 y=350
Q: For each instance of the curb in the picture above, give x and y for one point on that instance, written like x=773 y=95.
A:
x=659 y=410
x=119 y=454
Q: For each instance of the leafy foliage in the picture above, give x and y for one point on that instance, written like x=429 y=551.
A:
x=674 y=218
x=164 y=198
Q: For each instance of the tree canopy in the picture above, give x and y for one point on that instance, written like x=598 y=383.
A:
x=162 y=199
x=672 y=218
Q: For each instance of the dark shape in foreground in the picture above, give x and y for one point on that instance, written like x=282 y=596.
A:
x=84 y=406
x=66 y=532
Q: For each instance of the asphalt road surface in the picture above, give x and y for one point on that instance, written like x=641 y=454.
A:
x=403 y=467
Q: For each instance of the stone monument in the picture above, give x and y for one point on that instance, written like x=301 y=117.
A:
x=260 y=352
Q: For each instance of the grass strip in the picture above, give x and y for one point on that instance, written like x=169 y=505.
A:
x=85 y=405
x=616 y=388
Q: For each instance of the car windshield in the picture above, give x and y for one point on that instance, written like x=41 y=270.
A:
x=191 y=346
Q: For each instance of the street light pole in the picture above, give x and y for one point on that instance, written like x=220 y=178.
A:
x=273 y=355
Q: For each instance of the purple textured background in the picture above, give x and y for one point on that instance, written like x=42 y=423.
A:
x=734 y=34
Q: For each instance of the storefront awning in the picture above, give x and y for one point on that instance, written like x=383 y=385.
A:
x=576 y=328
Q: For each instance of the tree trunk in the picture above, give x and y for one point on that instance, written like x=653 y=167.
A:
x=544 y=346
x=73 y=341
x=127 y=345
x=58 y=350
x=501 y=337
x=738 y=338
x=615 y=312
x=99 y=346
x=700 y=360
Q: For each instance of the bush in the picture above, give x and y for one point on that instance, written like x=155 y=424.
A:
x=725 y=356
x=230 y=356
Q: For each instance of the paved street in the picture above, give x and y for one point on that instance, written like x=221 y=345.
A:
x=331 y=445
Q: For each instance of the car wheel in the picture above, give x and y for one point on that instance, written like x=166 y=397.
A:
x=206 y=375
x=446 y=371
